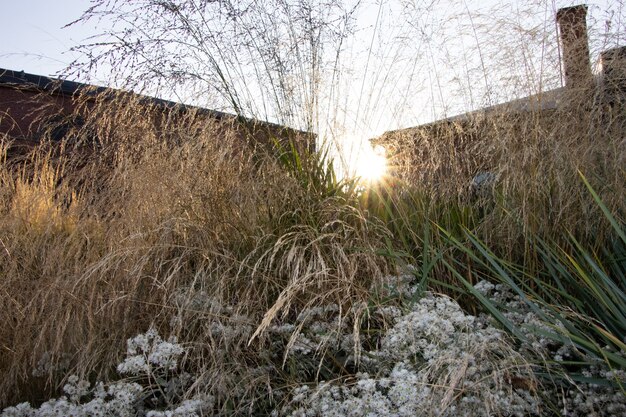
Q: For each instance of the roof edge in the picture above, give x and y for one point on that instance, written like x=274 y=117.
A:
x=58 y=86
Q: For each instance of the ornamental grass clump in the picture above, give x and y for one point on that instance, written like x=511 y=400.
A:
x=508 y=174
x=277 y=283
x=135 y=218
x=574 y=381
x=578 y=295
x=566 y=313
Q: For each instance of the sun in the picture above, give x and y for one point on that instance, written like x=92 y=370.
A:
x=371 y=163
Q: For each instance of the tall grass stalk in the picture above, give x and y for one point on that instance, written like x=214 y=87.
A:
x=145 y=217
x=230 y=238
x=578 y=295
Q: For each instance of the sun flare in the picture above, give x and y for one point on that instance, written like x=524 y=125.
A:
x=371 y=164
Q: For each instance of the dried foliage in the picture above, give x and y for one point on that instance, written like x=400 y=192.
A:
x=103 y=234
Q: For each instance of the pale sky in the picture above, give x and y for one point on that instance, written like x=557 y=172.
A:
x=34 y=40
x=32 y=36
x=409 y=62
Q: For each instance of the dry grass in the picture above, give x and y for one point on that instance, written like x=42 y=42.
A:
x=536 y=157
x=505 y=373
x=145 y=217
x=130 y=221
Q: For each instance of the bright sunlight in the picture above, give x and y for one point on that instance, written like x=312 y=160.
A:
x=371 y=163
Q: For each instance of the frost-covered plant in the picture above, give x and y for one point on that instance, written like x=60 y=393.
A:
x=155 y=387
x=524 y=319
x=342 y=335
x=243 y=378
x=584 y=399
x=531 y=325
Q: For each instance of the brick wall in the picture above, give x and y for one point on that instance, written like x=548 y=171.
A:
x=24 y=112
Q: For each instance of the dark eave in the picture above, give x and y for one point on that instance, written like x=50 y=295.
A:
x=24 y=80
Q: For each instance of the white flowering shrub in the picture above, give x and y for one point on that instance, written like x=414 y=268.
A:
x=154 y=387
x=81 y=399
x=395 y=357
x=433 y=322
x=436 y=360
x=148 y=352
x=603 y=394
x=47 y=364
